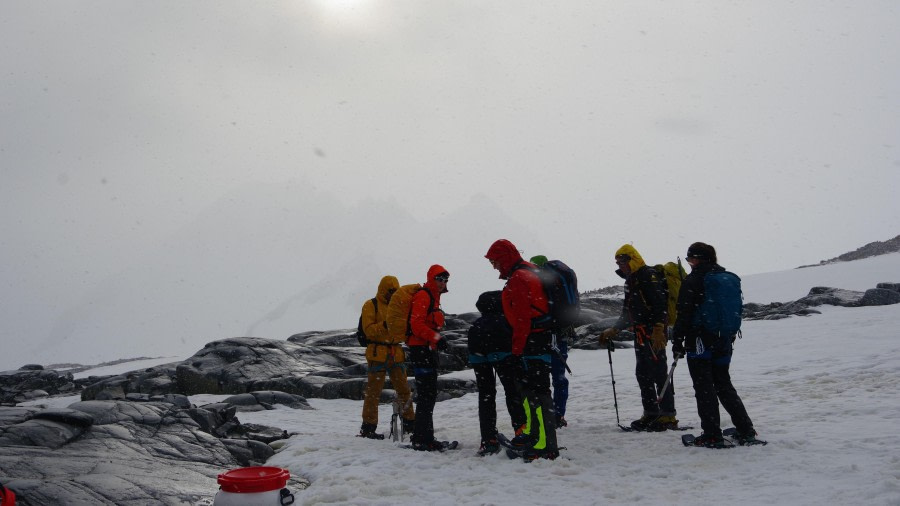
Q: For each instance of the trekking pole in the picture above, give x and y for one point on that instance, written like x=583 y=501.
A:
x=555 y=349
x=665 y=386
x=609 y=348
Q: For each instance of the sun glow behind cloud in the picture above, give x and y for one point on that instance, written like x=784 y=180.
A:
x=346 y=15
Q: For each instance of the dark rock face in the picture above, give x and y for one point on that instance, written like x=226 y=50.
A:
x=259 y=401
x=33 y=382
x=819 y=296
x=245 y=364
x=880 y=296
x=326 y=365
x=120 y=452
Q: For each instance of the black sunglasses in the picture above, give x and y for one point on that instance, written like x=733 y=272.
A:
x=622 y=260
x=442 y=279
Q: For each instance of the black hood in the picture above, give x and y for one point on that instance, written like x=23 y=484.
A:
x=490 y=303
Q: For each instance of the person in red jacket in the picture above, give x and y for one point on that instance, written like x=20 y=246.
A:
x=425 y=321
x=523 y=300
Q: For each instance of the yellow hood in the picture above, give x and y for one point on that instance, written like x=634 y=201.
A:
x=636 y=260
x=387 y=283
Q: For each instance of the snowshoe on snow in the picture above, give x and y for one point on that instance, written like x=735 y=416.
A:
x=743 y=439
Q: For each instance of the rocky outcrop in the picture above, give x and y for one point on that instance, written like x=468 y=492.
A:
x=33 y=382
x=124 y=452
x=883 y=294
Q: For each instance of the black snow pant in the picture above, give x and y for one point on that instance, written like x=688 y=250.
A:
x=424 y=361
x=651 y=372
x=487 y=397
x=541 y=411
x=712 y=385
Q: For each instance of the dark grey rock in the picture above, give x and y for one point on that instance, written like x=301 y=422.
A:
x=889 y=286
x=67 y=416
x=880 y=297
x=817 y=296
x=31 y=383
x=259 y=401
x=248 y=452
x=119 y=452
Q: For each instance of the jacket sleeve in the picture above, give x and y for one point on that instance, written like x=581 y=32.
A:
x=419 y=319
x=517 y=308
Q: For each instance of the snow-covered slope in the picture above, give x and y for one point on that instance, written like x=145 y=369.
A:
x=790 y=285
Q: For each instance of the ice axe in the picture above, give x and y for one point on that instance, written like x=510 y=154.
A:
x=665 y=386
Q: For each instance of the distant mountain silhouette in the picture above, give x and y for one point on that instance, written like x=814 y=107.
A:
x=869 y=250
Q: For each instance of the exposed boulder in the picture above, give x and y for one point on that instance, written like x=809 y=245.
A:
x=819 y=296
x=33 y=382
x=260 y=401
x=246 y=364
x=880 y=297
x=119 y=452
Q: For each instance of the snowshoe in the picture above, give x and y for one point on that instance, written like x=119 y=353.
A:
x=706 y=441
x=743 y=439
x=435 y=446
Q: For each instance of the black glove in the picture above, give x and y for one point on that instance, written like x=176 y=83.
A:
x=442 y=344
x=678 y=346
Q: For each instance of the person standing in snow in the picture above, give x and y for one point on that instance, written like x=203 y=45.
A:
x=708 y=356
x=426 y=319
x=644 y=312
x=490 y=342
x=523 y=299
x=558 y=364
x=384 y=356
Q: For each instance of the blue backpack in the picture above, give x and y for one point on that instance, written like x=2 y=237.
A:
x=561 y=286
x=722 y=306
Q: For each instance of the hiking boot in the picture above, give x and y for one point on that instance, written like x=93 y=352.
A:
x=522 y=441
x=561 y=421
x=663 y=423
x=368 y=431
x=409 y=426
x=709 y=441
x=489 y=447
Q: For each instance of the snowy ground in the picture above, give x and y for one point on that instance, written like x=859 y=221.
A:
x=821 y=389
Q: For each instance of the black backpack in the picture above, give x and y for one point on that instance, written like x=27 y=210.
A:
x=360 y=335
x=561 y=287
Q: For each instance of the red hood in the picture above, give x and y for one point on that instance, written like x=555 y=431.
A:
x=505 y=254
x=433 y=271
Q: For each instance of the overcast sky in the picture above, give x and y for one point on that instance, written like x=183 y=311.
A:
x=770 y=129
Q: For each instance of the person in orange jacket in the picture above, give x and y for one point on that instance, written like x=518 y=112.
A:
x=523 y=300
x=425 y=322
x=384 y=356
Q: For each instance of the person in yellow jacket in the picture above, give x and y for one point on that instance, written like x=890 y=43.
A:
x=384 y=356
x=644 y=313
